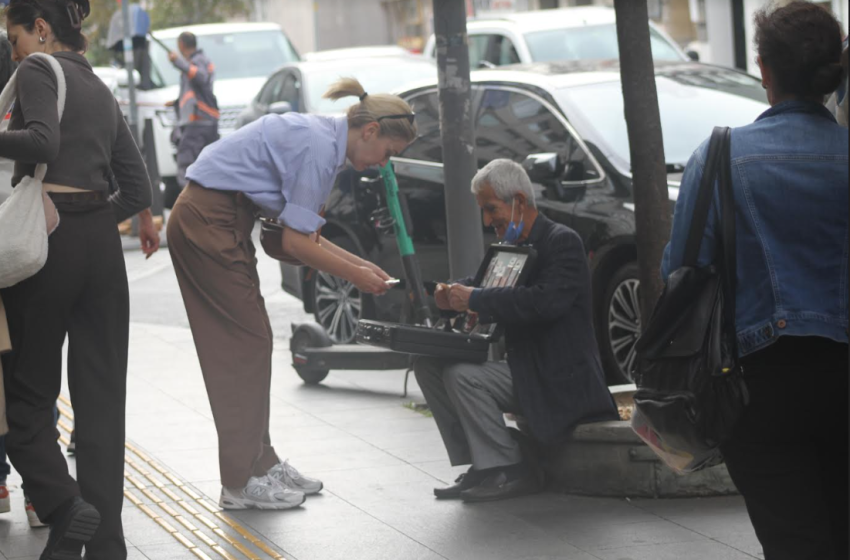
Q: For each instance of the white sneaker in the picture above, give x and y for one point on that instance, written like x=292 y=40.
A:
x=5 y=501
x=289 y=476
x=32 y=516
x=261 y=493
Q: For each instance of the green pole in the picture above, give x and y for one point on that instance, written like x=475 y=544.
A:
x=405 y=244
x=409 y=262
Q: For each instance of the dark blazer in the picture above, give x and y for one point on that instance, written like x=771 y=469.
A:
x=552 y=351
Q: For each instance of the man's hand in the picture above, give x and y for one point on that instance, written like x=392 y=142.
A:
x=441 y=296
x=148 y=236
x=459 y=297
x=172 y=56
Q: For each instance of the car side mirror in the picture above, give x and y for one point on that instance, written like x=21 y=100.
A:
x=562 y=181
x=280 y=108
x=693 y=55
x=543 y=168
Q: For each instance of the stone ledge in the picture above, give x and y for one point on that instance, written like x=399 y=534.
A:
x=609 y=459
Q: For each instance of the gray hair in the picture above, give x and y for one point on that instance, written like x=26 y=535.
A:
x=507 y=178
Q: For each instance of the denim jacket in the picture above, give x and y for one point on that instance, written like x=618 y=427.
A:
x=790 y=178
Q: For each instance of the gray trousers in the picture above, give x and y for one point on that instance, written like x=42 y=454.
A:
x=193 y=139
x=468 y=402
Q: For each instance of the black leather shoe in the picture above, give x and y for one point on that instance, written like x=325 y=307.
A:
x=71 y=532
x=467 y=480
x=500 y=486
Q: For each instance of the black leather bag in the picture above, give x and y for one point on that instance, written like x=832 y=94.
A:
x=691 y=390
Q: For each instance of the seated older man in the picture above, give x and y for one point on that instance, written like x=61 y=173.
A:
x=553 y=375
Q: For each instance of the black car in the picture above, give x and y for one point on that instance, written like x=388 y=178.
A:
x=573 y=110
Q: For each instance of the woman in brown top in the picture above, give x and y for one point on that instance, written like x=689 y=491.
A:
x=82 y=290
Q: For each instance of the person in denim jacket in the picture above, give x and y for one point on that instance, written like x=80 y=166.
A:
x=789 y=454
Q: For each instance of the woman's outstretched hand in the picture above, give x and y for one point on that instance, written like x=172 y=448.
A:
x=368 y=281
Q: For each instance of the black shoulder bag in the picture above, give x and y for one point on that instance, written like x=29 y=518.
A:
x=691 y=390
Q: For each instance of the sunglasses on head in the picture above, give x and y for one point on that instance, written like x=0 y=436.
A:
x=408 y=116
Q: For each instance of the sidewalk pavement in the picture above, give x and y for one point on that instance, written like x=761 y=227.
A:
x=379 y=461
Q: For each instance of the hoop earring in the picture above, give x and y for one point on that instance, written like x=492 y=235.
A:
x=41 y=39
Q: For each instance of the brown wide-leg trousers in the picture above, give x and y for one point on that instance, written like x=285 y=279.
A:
x=209 y=238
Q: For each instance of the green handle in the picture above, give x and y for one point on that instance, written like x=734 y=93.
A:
x=405 y=244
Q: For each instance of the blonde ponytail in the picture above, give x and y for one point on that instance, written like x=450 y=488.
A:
x=372 y=107
x=344 y=87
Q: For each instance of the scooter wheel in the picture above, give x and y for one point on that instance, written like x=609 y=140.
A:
x=308 y=335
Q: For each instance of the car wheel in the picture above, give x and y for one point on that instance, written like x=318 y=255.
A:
x=337 y=304
x=621 y=320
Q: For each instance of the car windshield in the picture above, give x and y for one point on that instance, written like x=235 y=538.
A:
x=688 y=112
x=380 y=76
x=592 y=42
x=235 y=55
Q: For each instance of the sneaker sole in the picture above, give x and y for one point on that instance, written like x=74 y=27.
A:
x=80 y=531
x=312 y=492
x=34 y=521
x=238 y=505
x=302 y=489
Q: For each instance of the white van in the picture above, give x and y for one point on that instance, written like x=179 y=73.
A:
x=244 y=56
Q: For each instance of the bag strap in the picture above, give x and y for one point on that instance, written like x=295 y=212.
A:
x=727 y=245
x=704 y=197
x=7 y=98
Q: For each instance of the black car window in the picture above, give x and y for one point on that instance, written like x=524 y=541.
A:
x=289 y=91
x=477 y=49
x=505 y=51
x=271 y=90
x=428 y=145
x=514 y=125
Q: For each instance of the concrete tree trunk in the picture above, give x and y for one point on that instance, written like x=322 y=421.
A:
x=646 y=148
x=465 y=239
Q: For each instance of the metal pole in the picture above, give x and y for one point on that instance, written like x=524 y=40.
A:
x=463 y=218
x=316 y=25
x=133 y=117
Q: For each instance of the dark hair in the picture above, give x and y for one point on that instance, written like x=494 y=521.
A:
x=64 y=16
x=188 y=40
x=7 y=66
x=801 y=44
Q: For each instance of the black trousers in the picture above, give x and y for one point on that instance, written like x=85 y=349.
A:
x=81 y=292
x=789 y=454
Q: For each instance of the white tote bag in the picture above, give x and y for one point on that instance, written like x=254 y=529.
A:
x=28 y=216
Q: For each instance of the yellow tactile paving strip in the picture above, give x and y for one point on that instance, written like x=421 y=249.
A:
x=193 y=520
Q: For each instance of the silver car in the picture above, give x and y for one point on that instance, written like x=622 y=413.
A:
x=299 y=86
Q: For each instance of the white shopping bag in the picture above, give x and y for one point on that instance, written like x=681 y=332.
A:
x=28 y=216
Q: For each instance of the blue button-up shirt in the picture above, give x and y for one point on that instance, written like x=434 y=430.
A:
x=286 y=165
